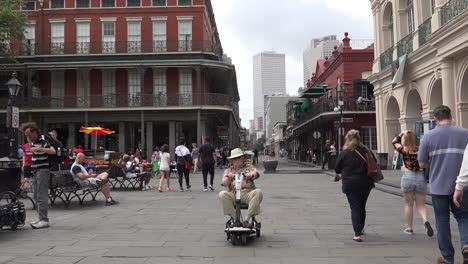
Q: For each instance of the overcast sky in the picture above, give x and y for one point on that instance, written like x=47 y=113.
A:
x=247 y=27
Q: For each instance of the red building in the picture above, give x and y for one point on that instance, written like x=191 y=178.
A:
x=338 y=94
x=152 y=70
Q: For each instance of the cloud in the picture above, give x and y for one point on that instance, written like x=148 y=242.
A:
x=247 y=27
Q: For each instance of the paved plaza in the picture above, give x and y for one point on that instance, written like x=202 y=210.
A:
x=305 y=219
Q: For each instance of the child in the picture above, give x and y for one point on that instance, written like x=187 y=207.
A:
x=164 y=167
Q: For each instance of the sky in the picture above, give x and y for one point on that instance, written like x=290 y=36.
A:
x=247 y=27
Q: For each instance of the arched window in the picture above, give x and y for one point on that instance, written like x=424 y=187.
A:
x=410 y=15
x=388 y=27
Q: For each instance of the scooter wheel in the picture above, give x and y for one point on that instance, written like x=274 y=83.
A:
x=228 y=236
x=244 y=239
x=257 y=232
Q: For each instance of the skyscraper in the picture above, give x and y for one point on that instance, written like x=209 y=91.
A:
x=269 y=77
x=318 y=49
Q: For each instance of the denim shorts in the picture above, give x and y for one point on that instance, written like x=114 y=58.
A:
x=413 y=181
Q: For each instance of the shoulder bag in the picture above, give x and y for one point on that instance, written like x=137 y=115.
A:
x=373 y=169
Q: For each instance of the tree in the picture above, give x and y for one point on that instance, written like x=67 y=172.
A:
x=260 y=145
x=12 y=24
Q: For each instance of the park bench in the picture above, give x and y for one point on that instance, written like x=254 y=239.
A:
x=64 y=187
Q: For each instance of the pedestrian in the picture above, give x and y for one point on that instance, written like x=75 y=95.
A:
x=413 y=183
x=195 y=157
x=27 y=162
x=442 y=150
x=461 y=189
x=40 y=166
x=156 y=159
x=138 y=154
x=356 y=184
x=79 y=149
x=207 y=159
x=326 y=151
x=255 y=156
x=182 y=157
x=165 y=160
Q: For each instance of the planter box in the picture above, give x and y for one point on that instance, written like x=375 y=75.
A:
x=270 y=165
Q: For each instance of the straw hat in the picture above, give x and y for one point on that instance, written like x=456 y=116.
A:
x=235 y=153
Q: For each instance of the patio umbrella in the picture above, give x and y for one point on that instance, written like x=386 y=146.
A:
x=96 y=131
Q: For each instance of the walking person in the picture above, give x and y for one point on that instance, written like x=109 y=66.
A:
x=413 y=183
x=442 y=150
x=164 y=161
x=40 y=166
x=156 y=159
x=255 y=156
x=461 y=190
x=208 y=161
x=183 y=156
x=195 y=157
x=356 y=184
x=326 y=151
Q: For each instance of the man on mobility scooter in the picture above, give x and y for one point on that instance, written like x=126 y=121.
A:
x=247 y=197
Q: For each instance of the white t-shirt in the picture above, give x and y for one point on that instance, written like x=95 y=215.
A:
x=182 y=151
x=164 y=165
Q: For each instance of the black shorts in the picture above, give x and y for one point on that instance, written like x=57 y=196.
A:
x=27 y=172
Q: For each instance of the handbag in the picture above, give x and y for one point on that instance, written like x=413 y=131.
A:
x=155 y=166
x=188 y=164
x=373 y=169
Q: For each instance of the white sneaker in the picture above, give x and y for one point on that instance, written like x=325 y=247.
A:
x=211 y=187
x=40 y=224
x=205 y=190
x=35 y=222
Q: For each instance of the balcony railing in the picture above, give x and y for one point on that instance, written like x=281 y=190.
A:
x=424 y=30
x=452 y=9
x=405 y=45
x=115 y=47
x=329 y=105
x=126 y=100
x=386 y=58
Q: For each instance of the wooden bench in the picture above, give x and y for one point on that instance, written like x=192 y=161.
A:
x=64 y=187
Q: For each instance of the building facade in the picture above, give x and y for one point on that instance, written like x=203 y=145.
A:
x=338 y=95
x=152 y=71
x=269 y=77
x=427 y=42
x=319 y=48
x=275 y=112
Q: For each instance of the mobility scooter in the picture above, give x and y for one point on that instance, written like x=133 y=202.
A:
x=235 y=230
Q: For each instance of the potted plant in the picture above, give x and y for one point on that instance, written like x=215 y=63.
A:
x=270 y=163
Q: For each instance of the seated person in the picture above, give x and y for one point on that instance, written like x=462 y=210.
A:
x=91 y=168
x=249 y=195
x=84 y=179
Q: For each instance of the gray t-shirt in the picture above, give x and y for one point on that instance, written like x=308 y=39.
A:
x=443 y=148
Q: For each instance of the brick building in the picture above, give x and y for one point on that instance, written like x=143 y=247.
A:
x=152 y=70
x=343 y=77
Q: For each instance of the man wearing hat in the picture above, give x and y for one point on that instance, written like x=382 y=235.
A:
x=249 y=194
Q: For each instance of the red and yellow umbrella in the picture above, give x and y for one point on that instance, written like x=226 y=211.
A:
x=96 y=131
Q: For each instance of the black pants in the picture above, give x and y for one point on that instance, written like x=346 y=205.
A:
x=357 y=201
x=326 y=157
x=182 y=171
x=208 y=167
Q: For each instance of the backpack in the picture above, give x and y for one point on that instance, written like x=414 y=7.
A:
x=59 y=157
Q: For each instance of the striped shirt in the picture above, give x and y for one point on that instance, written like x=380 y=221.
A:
x=443 y=149
x=40 y=160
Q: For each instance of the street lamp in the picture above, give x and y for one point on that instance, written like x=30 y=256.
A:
x=41 y=37
x=339 y=97
x=14 y=87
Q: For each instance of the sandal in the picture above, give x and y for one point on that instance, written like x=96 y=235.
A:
x=357 y=239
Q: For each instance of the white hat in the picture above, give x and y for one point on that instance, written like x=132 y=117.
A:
x=235 y=153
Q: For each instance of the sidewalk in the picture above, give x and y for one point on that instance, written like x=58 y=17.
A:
x=305 y=219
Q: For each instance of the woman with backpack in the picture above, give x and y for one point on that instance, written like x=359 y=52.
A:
x=356 y=184
x=413 y=183
x=184 y=164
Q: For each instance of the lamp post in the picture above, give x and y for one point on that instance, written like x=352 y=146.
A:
x=14 y=87
x=339 y=97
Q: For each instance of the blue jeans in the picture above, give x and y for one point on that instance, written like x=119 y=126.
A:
x=442 y=205
x=357 y=201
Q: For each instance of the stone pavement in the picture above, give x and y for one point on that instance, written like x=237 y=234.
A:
x=305 y=219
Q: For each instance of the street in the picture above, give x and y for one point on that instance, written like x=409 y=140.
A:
x=305 y=219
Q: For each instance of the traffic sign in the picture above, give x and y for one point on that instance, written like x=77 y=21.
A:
x=15 y=117
x=316 y=134
x=347 y=120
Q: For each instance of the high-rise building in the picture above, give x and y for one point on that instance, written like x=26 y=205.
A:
x=318 y=49
x=269 y=77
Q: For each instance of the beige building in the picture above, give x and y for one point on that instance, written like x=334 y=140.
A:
x=434 y=36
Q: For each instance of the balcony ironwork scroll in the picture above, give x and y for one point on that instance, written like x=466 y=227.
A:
x=452 y=9
x=424 y=30
x=386 y=58
x=405 y=45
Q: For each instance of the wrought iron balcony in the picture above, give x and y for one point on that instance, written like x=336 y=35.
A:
x=115 y=47
x=424 y=30
x=386 y=58
x=126 y=100
x=405 y=45
x=329 y=105
x=452 y=9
